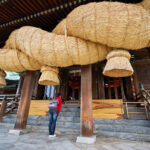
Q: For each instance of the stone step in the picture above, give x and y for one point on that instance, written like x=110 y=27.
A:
x=143 y=123
x=72 y=109
x=70 y=114
x=65 y=124
x=70 y=105
x=123 y=128
x=126 y=136
x=41 y=128
x=41 y=119
x=136 y=116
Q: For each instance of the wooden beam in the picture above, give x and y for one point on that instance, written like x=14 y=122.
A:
x=86 y=102
x=24 y=104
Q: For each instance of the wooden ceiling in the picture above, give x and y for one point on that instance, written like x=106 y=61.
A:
x=45 y=14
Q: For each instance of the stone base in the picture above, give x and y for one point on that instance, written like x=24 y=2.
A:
x=86 y=140
x=17 y=132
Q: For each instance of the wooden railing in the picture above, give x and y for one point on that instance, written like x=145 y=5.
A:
x=8 y=103
x=145 y=104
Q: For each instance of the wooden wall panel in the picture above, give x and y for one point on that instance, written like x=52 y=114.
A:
x=143 y=75
x=39 y=107
x=112 y=108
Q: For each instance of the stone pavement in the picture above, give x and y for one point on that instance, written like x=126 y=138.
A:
x=40 y=141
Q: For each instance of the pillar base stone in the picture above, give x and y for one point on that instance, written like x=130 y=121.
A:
x=86 y=140
x=17 y=132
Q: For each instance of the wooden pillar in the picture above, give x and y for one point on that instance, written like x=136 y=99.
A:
x=115 y=88
x=35 y=90
x=2 y=109
x=135 y=81
x=18 y=91
x=122 y=89
x=24 y=104
x=64 y=76
x=95 y=81
x=86 y=102
x=109 y=89
x=101 y=85
x=133 y=88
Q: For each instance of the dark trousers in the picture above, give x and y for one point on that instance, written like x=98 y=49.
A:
x=53 y=114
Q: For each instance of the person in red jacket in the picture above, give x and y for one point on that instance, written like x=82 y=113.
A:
x=54 y=110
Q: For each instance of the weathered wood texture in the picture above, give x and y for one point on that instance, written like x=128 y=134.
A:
x=133 y=88
x=86 y=102
x=102 y=108
x=36 y=86
x=24 y=104
x=143 y=75
x=64 y=76
x=94 y=81
x=39 y=107
x=101 y=90
x=20 y=83
x=122 y=89
x=110 y=109
x=135 y=81
x=2 y=109
x=115 y=88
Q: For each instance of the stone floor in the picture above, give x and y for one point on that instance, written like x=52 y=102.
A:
x=40 y=141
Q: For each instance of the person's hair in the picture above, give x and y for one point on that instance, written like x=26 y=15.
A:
x=58 y=94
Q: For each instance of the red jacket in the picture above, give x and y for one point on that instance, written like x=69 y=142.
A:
x=59 y=104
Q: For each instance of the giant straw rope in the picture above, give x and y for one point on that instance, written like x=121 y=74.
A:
x=85 y=36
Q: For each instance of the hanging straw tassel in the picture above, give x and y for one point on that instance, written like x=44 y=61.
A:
x=2 y=78
x=118 y=64
x=49 y=76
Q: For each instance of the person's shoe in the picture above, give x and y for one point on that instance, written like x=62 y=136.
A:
x=51 y=136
